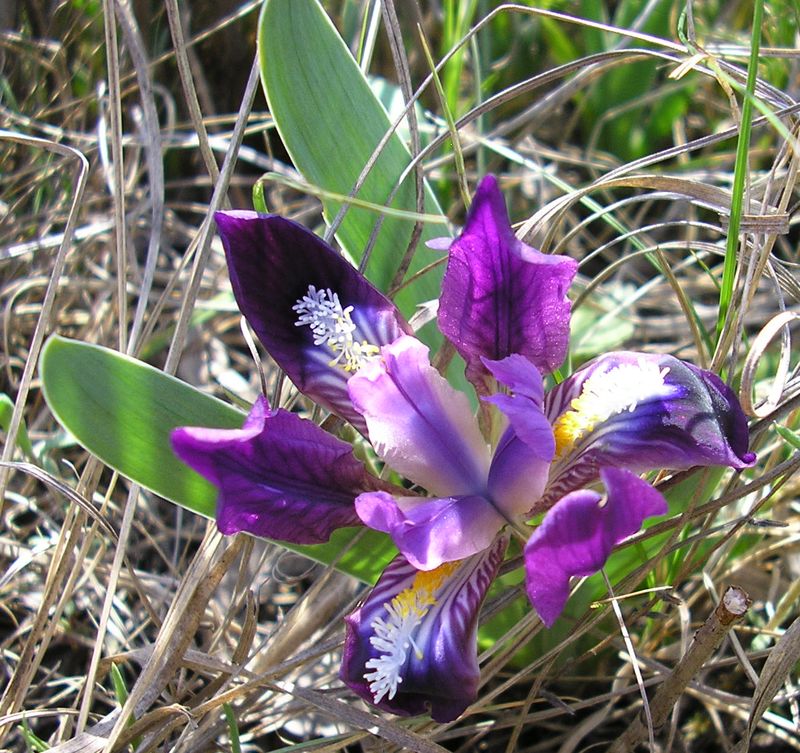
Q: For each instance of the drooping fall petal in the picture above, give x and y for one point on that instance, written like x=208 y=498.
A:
x=577 y=535
x=641 y=412
x=500 y=296
x=282 y=273
x=417 y=423
x=279 y=476
x=411 y=647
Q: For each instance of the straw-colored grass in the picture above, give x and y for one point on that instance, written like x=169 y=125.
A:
x=126 y=623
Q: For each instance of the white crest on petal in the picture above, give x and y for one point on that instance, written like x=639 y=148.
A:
x=609 y=393
x=332 y=325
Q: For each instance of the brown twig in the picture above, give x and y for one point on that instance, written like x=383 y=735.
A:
x=731 y=609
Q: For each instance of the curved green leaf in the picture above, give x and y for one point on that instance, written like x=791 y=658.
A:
x=123 y=410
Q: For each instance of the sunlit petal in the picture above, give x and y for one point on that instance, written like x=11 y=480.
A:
x=577 y=535
x=500 y=296
x=429 y=532
x=640 y=412
x=418 y=424
x=275 y=264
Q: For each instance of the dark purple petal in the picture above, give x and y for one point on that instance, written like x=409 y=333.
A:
x=577 y=536
x=417 y=631
x=272 y=263
x=418 y=423
x=640 y=412
x=429 y=532
x=500 y=296
x=279 y=477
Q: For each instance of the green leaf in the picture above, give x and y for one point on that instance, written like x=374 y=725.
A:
x=123 y=410
x=6 y=411
x=330 y=122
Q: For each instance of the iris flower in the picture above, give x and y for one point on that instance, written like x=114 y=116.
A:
x=410 y=646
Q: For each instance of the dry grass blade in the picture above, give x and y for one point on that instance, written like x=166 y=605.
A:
x=780 y=663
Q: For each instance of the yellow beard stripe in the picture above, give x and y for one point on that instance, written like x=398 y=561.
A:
x=606 y=394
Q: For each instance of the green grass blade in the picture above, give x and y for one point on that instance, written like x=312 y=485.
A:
x=740 y=174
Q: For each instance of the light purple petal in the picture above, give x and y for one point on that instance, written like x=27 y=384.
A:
x=500 y=296
x=524 y=406
x=272 y=262
x=429 y=532
x=420 y=657
x=577 y=536
x=279 y=477
x=418 y=423
x=640 y=412
x=517 y=477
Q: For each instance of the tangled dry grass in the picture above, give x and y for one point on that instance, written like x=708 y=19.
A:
x=127 y=623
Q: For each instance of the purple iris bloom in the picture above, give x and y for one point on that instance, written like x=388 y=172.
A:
x=410 y=647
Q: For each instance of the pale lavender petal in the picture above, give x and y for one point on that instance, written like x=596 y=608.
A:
x=500 y=296
x=279 y=477
x=411 y=647
x=272 y=262
x=640 y=412
x=418 y=424
x=429 y=532
x=577 y=535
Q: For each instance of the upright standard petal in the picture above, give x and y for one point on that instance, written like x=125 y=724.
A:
x=500 y=296
x=279 y=476
x=418 y=423
x=411 y=647
x=577 y=535
x=316 y=315
x=640 y=412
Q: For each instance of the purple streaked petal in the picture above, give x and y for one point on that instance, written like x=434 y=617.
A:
x=418 y=423
x=640 y=412
x=443 y=680
x=279 y=476
x=429 y=532
x=500 y=296
x=524 y=407
x=272 y=262
x=577 y=535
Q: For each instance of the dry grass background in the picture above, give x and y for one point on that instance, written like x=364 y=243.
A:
x=126 y=623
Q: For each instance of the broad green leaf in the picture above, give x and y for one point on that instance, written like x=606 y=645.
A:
x=330 y=122
x=123 y=410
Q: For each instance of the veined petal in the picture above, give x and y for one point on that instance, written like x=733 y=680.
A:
x=411 y=647
x=418 y=423
x=640 y=412
x=430 y=532
x=314 y=312
x=500 y=296
x=577 y=535
x=279 y=476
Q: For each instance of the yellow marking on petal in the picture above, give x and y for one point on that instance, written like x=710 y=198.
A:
x=606 y=394
x=393 y=637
